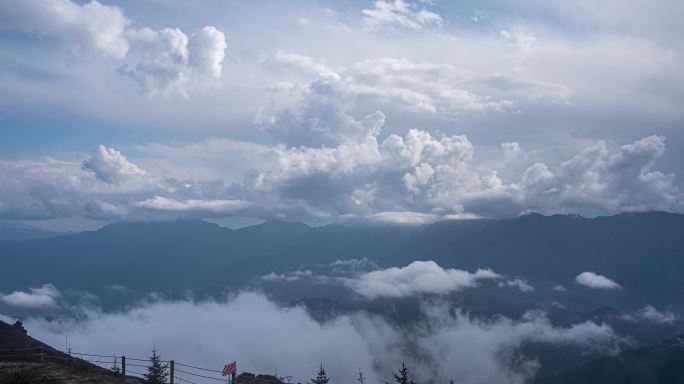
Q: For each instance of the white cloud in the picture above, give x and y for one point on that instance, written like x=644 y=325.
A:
x=109 y=186
x=523 y=40
x=650 y=313
x=162 y=57
x=206 y=333
x=415 y=179
x=400 y=13
x=207 y=51
x=110 y=166
x=167 y=60
x=161 y=61
x=306 y=64
x=161 y=203
x=593 y=280
x=465 y=80
x=90 y=26
x=43 y=297
x=520 y=284
x=502 y=337
x=323 y=119
x=416 y=278
x=414 y=218
x=623 y=181
x=428 y=87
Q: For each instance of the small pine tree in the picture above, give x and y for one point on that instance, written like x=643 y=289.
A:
x=402 y=375
x=115 y=367
x=157 y=372
x=321 y=377
x=361 y=378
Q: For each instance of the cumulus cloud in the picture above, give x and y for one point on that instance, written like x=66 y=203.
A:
x=43 y=297
x=110 y=166
x=423 y=88
x=593 y=280
x=419 y=277
x=168 y=60
x=206 y=50
x=109 y=186
x=405 y=14
x=161 y=61
x=85 y=27
x=323 y=119
x=417 y=178
x=255 y=331
x=622 y=181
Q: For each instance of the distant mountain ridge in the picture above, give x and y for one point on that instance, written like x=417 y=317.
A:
x=644 y=252
x=659 y=363
x=10 y=230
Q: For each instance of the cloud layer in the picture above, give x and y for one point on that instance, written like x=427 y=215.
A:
x=421 y=112
x=254 y=331
x=412 y=179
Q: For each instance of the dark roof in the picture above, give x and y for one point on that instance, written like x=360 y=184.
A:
x=250 y=378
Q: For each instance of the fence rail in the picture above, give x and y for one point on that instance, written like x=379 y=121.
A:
x=120 y=362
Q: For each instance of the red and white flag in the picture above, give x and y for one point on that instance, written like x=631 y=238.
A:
x=230 y=368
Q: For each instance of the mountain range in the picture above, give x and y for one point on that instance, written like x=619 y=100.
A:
x=10 y=230
x=643 y=252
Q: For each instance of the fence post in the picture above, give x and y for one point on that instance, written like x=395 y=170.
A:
x=171 y=376
x=123 y=367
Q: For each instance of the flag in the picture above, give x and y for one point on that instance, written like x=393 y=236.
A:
x=230 y=368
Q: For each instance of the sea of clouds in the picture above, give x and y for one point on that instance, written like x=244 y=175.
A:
x=265 y=337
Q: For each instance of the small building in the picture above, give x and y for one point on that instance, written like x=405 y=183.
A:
x=250 y=378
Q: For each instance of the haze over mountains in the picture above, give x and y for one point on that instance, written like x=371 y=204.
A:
x=641 y=252
x=555 y=291
x=10 y=230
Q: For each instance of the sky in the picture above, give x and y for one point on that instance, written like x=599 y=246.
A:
x=338 y=111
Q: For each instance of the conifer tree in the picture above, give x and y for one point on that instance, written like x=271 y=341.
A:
x=361 y=378
x=115 y=367
x=402 y=375
x=321 y=377
x=157 y=372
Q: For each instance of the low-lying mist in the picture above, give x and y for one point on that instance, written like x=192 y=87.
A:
x=264 y=337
